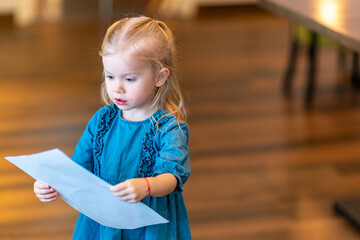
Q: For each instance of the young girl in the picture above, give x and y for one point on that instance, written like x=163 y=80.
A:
x=138 y=142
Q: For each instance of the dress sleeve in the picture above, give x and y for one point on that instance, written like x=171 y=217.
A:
x=83 y=153
x=173 y=156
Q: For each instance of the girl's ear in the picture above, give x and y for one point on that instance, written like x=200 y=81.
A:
x=162 y=76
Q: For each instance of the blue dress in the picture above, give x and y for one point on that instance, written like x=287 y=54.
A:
x=116 y=150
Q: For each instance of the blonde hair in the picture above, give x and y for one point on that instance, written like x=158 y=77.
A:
x=153 y=41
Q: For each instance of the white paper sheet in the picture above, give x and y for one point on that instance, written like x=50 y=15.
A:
x=84 y=191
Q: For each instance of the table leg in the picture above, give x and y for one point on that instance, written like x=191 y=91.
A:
x=350 y=209
x=309 y=92
x=290 y=70
x=355 y=78
x=106 y=9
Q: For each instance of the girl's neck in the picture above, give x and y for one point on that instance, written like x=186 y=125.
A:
x=137 y=117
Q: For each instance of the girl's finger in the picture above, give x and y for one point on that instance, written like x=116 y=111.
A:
x=118 y=187
x=38 y=184
x=46 y=196
x=122 y=193
x=127 y=198
x=44 y=191
x=48 y=199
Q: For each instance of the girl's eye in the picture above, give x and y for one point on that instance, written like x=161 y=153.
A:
x=129 y=79
x=109 y=77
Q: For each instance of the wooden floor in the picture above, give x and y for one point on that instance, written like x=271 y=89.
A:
x=263 y=167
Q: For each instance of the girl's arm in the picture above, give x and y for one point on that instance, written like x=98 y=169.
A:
x=136 y=189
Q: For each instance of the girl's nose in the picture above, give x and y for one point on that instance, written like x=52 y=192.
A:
x=119 y=87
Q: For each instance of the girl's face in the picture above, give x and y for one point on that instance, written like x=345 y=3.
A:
x=131 y=85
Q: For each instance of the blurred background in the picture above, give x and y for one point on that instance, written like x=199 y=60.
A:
x=263 y=165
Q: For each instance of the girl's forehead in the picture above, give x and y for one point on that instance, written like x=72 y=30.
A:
x=120 y=57
x=123 y=62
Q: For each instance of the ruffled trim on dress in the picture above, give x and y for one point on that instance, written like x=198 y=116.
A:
x=148 y=159
x=106 y=119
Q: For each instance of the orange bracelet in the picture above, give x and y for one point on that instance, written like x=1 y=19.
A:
x=148 y=190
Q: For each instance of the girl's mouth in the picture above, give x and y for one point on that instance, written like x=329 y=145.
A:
x=120 y=101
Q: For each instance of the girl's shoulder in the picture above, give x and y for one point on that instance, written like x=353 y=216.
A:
x=106 y=112
x=166 y=123
x=103 y=115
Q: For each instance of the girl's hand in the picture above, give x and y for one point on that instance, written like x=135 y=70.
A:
x=44 y=192
x=131 y=190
